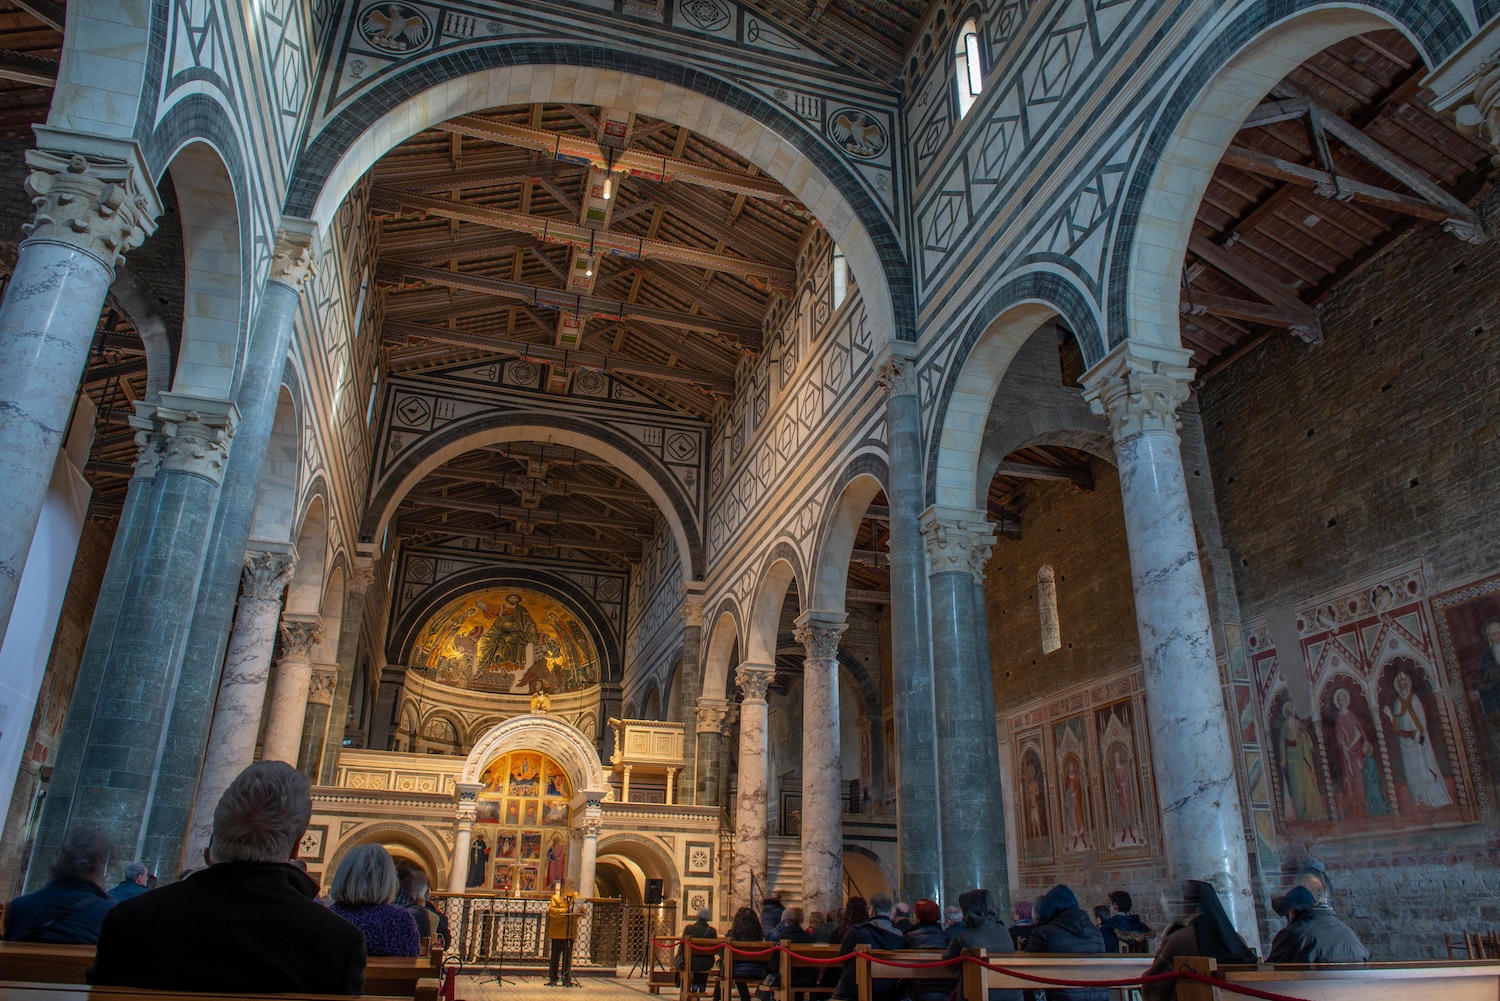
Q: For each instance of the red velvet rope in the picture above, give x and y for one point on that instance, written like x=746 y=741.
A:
x=1141 y=981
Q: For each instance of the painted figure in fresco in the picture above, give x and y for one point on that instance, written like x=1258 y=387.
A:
x=1488 y=691
x=508 y=643
x=524 y=777
x=1075 y=815
x=1418 y=760
x=1121 y=791
x=1032 y=791
x=1299 y=768
x=557 y=860
x=479 y=857
x=1350 y=739
x=556 y=786
x=1375 y=801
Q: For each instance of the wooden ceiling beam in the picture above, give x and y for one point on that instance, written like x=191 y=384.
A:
x=408 y=527
x=24 y=68
x=52 y=14
x=1258 y=282
x=1034 y=471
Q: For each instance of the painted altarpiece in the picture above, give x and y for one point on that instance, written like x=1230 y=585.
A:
x=522 y=816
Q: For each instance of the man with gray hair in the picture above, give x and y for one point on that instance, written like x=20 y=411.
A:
x=248 y=923
x=877 y=933
x=69 y=909
x=136 y=881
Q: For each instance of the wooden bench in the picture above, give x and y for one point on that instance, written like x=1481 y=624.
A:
x=978 y=981
x=794 y=962
x=688 y=951
x=401 y=977
x=869 y=968
x=728 y=959
x=1477 y=980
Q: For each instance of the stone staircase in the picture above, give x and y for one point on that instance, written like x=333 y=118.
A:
x=784 y=862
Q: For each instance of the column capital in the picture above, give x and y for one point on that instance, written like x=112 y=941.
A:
x=361 y=576
x=91 y=193
x=466 y=795
x=268 y=571
x=711 y=714
x=692 y=603
x=293 y=258
x=820 y=632
x=754 y=679
x=958 y=541
x=1467 y=85
x=1139 y=387
x=299 y=634
x=193 y=434
x=897 y=372
x=321 y=685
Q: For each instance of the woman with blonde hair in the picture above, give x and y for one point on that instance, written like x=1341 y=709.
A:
x=363 y=890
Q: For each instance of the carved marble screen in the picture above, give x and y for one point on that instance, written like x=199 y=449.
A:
x=506 y=640
x=520 y=843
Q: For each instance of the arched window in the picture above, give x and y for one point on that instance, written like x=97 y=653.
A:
x=840 y=277
x=1046 y=603
x=968 y=66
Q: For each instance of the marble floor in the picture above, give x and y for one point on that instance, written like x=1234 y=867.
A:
x=529 y=988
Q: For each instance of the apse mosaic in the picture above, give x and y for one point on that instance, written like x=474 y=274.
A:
x=520 y=842
x=507 y=640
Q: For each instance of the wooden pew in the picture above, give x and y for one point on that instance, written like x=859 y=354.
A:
x=710 y=976
x=401 y=977
x=792 y=964
x=1461 y=980
x=726 y=963
x=43 y=962
x=978 y=981
x=21 y=991
x=868 y=968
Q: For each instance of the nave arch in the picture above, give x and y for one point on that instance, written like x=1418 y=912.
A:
x=783 y=569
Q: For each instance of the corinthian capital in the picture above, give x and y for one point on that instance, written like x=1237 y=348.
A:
x=320 y=687
x=897 y=374
x=96 y=203
x=267 y=574
x=957 y=541
x=754 y=679
x=362 y=576
x=692 y=604
x=819 y=632
x=192 y=435
x=299 y=634
x=293 y=259
x=711 y=713
x=1139 y=388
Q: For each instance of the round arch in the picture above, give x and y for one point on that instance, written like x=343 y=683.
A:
x=629 y=456
x=1202 y=117
x=649 y=855
x=864 y=477
x=418 y=842
x=866 y=873
x=374 y=120
x=783 y=568
x=563 y=743
x=721 y=643
x=276 y=491
x=304 y=595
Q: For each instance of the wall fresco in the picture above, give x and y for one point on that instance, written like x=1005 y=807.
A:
x=506 y=640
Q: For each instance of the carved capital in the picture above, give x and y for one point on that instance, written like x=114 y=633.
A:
x=711 y=713
x=148 y=454
x=898 y=376
x=320 y=687
x=361 y=577
x=754 y=679
x=692 y=605
x=191 y=435
x=97 y=204
x=267 y=574
x=957 y=541
x=1479 y=113
x=591 y=826
x=820 y=632
x=299 y=634
x=293 y=260
x=1139 y=388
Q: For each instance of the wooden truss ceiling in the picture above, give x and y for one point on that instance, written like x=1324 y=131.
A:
x=1338 y=163
x=30 y=46
x=872 y=35
x=631 y=244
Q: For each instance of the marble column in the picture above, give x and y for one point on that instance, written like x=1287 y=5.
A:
x=467 y=795
x=671 y=799
x=822 y=769
x=914 y=718
x=692 y=679
x=91 y=207
x=1139 y=389
x=261 y=376
x=315 y=718
x=711 y=713
x=624 y=783
x=750 y=857
x=242 y=691
x=968 y=756
x=588 y=853
x=360 y=580
x=299 y=634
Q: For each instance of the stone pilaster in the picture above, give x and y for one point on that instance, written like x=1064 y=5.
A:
x=94 y=201
x=356 y=590
x=1138 y=389
x=242 y=689
x=822 y=772
x=692 y=679
x=968 y=759
x=710 y=728
x=299 y=634
x=750 y=856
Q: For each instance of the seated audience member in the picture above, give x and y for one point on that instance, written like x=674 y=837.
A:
x=926 y=932
x=878 y=933
x=1023 y=924
x=827 y=932
x=746 y=928
x=71 y=908
x=1314 y=934
x=791 y=930
x=953 y=919
x=701 y=962
x=1121 y=920
x=247 y=924
x=409 y=879
x=363 y=891
x=770 y=916
x=901 y=916
x=790 y=927
x=1062 y=926
x=1101 y=914
x=136 y=882
x=854 y=912
x=1208 y=932
x=815 y=921
x=982 y=930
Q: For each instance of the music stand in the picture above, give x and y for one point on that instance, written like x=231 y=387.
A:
x=495 y=971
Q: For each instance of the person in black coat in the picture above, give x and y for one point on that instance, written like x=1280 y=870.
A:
x=1063 y=926
x=1121 y=920
x=877 y=933
x=70 y=909
x=927 y=932
x=982 y=930
x=248 y=923
x=701 y=962
x=1314 y=934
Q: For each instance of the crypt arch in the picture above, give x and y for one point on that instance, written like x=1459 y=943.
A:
x=410 y=840
x=374 y=120
x=1198 y=123
x=648 y=855
x=783 y=569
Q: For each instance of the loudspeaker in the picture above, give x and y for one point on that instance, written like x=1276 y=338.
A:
x=653 y=891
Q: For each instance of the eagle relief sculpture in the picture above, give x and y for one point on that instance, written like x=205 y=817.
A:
x=395 y=27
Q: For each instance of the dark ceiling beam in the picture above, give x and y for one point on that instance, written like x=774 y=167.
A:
x=1258 y=282
x=422 y=178
x=24 y=68
x=547 y=487
x=1033 y=471
x=1342 y=188
x=529 y=516
x=454 y=249
x=405 y=526
x=53 y=15
x=1196 y=303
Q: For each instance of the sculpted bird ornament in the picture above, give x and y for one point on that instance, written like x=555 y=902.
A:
x=857 y=131
x=394 y=24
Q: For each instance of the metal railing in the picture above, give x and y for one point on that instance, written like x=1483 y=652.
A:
x=505 y=931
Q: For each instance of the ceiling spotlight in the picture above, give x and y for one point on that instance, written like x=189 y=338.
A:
x=608 y=187
x=588 y=272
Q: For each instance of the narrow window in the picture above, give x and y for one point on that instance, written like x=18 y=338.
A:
x=840 y=277
x=370 y=407
x=1046 y=602
x=968 y=66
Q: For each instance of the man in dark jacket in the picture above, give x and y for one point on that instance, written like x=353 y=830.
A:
x=1063 y=926
x=135 y=883
x=1122 y=920
x=877 y=933
x=702 y=962
x=248 y=923
x=1314 y=934
x=770 y=916
x=982 y=930
x=70 y=909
